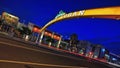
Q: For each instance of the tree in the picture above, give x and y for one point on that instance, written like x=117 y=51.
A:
x=73 y=42
x=20 y=32
x=49 y=39
x=26 y=30
x=73 y=39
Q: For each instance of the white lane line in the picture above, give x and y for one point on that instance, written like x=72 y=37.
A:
x=39 y=64
x=114 y=64
x=19 y=46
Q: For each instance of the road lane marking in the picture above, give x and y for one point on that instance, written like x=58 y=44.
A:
x=19 y=46
x=39 y=64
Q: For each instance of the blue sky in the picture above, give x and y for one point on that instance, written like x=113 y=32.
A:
x=98 y=31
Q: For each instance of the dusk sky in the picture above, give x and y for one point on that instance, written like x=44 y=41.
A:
x=98 y=31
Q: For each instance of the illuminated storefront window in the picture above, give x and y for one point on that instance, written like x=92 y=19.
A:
x=47 y=38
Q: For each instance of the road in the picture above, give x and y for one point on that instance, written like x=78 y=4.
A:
x=21 y=54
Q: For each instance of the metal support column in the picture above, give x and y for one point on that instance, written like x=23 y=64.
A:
x=51 y=38
x=58 y=45
x=41 y=37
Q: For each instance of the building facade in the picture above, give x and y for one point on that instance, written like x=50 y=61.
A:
x=9 y=22
x=46 y=37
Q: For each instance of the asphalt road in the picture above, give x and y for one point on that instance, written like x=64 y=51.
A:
x=20 y=54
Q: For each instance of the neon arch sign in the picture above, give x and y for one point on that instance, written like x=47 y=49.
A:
x=108 y=12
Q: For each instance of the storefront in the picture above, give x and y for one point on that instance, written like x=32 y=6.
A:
x=35 y=34
x=9 y=22
x=47 y=38
x=56 y=39
x=50 y=38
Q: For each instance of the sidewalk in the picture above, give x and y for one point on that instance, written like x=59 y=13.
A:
x=8 y=36
x=4 y=33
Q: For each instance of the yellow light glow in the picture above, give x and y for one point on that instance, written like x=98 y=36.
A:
x=103 y=11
